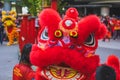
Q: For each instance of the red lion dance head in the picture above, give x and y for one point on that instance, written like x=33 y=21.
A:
x=66 y=48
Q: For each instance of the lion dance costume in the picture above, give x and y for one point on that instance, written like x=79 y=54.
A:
x=8 y=19
x=66 y=48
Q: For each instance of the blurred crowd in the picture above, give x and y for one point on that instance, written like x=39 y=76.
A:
x=113 y=27
x=2 y=35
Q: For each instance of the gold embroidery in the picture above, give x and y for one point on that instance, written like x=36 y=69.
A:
x=17 y=72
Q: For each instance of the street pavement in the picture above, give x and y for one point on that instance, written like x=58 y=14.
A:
x=112 y=44
x=9 y=56
x=108 y=48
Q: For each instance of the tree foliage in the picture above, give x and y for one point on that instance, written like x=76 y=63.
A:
x=32 y=5
x=35 y=6
x=61 y=6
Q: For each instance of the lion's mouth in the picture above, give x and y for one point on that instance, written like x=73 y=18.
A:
x=61 y=72
x=63 y=65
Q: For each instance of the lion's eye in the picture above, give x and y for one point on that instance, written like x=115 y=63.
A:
x=58 y=33
x=44 y=35
x=73 y=34
x=90 y=41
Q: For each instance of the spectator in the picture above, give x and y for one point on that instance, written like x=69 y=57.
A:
x=105 y=72
x=106 y=22
x=23 y=70
x=116 y=30
x=1 y=31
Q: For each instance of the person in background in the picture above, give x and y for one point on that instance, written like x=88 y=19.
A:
x=117 y=30
x=23 y=70
x=106 y=22
x=105 y=72
x=1 y=31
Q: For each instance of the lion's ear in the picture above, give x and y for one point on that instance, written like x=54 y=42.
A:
x=13 y=13
x=105 y=72
x=4 y=12
x=49 y=17
x=87 y=25
x=3 y=15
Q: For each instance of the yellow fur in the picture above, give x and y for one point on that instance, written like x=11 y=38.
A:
x=8 y=19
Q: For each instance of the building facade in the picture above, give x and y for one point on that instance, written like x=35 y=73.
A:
x=99 y=7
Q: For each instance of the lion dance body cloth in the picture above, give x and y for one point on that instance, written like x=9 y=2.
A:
x=8 y=19
x=66 y=47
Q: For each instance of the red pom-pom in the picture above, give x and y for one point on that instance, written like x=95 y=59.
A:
x=113 y=61
x=72 y=13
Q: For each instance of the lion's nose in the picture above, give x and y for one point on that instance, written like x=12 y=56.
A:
x=66 y=40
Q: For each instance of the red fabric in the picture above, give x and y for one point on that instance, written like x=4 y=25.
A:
x=23 y=72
